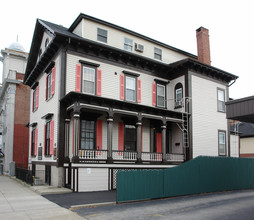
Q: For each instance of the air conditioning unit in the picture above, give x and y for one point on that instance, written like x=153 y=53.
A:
x=178 y=104
x=139 y=47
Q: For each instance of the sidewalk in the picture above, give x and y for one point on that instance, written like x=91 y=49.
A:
x=18 y=202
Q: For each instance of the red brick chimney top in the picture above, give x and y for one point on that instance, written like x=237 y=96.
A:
x=203 y=45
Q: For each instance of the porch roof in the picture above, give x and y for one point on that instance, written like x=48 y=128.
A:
x=241 y=109
x=105 y=104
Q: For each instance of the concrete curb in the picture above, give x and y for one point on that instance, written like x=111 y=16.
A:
x=75 y=207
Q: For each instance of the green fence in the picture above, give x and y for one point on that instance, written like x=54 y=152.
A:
x=200 y=175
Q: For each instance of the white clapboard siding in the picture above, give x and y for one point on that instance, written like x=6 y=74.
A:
x=45 y=107
x=206 y=119
x=116 y=39
x=92 y=179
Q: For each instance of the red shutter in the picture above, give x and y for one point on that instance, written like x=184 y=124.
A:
x=35 y=141
x=45 y=139
x=154 y=94
x=158 y=142
x=51 y=145
x=99 y=134
x=99 y=82
x=122 y=86
x=37 y=97
x=46 y=87
x=120 y=136
x=53 y=79
x=78 y=78
x=139 y=90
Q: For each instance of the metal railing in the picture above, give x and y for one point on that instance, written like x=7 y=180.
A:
x=24 y=175
x=147 y=156
x=93 y=154
x=124 y=155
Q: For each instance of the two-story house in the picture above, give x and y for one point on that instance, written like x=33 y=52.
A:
x=106 y=98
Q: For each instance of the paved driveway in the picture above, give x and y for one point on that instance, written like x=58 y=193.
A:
x=69 y=200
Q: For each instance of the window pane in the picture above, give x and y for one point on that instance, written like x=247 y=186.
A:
x=130 y=138
x=179 y=94
x=130 y=89
x=87 y=135
x=160 y=90
x=161 y=95
x=221 y=95
x=102 y=35
x=88 y=85
x=222 y=143
x=128 y=44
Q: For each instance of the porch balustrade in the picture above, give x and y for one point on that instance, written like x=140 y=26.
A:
x=93 y=154
x=147 y=156
x=124 y=155
x=128 y=156
x=175 y=157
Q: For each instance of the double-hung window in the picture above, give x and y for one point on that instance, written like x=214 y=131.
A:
x=221 y=100
x=89 y=80
x=130 y=89
x=128 y=44
x=161 y=95
x=178 y=95
x=102 y=35
x=87 y=135
x=222 y=143
x=35 y=105
x=157 y=53
x=48 y=91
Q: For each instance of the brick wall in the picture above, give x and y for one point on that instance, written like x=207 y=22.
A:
x=21 y=133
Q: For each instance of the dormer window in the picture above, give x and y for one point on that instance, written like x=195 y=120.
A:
x=102 y=35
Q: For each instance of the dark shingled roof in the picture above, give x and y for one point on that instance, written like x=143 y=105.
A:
x=244 y=129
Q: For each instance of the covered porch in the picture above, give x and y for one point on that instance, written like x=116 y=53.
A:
x=99 y=130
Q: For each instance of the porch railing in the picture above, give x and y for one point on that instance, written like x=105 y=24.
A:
x=175 y=157
x=147 y=156
x=93 y=154
x=124 y=155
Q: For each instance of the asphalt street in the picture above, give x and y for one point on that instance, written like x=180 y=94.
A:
x=227 y=205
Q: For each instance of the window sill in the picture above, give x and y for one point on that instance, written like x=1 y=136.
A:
x=49 y=98
x=179 y=106
x=47 y=156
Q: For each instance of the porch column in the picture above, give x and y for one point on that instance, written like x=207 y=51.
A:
x=66 y=141
x=109 y=138
x=138 y=125
x=76 y=136
x=163 y=141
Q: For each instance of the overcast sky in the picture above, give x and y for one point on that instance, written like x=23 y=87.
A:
x=174 y=22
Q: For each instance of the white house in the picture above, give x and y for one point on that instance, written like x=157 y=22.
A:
x=106 y=98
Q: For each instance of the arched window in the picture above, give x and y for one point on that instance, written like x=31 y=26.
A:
x=178 y=95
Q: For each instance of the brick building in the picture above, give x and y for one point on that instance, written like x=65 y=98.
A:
x=14 y=108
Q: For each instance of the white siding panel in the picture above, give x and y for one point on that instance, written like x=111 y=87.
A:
x=206 y=119
x=246 y=145
x=45 y=107
x=92 y=179
x=116 y=39
x=234 y=145
x=177 y=137
x=146 y=135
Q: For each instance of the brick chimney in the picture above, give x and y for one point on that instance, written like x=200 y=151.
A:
x=203 y=45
